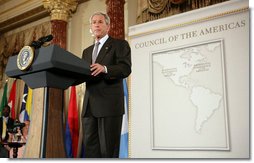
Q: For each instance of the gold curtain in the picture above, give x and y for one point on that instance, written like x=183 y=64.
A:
x=12 y=42
x=149 y=10
x=157 y=6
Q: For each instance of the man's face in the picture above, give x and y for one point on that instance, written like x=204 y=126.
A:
x=6 y=112
x=99 y=26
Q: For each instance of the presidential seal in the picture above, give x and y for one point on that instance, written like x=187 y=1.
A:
x=25 y=58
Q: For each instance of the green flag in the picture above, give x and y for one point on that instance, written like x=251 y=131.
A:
x=4 y=99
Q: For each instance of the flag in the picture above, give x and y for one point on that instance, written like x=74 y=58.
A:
x=29 y=103
x=72 y=127
x=4 y=128
x=123 y=153
x=4 y=99
x=23 y=115
x=12 y=100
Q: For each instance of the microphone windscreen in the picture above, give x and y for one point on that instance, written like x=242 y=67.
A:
x=49 y=38
x=46 y=38
x=35 y=44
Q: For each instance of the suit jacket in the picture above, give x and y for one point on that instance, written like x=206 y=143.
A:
x=105 y=91
x=9 y=124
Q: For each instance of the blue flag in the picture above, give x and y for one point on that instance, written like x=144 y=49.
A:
x=23 y=116
x=68 y=141
x=123 y=153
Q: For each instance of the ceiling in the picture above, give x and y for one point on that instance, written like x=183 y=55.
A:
x=16 y=13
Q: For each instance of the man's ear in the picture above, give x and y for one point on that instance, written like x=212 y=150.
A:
x=108 y=28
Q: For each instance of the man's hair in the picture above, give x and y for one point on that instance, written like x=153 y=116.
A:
x=7 y=106
x=107 y=18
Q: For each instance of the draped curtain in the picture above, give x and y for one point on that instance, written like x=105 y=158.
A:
x=149 y=10
x=12 y=42
x=157 y=6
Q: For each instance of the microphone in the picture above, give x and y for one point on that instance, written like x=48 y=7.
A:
x=15 y=127
x=36 y=44
x=19 y=124
x=41 y=41
x=46 y=39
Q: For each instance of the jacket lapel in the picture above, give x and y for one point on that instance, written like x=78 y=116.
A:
x=104 y=50
x=90 y=52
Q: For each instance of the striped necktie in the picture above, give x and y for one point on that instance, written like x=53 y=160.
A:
x=95 y=51
x=4 y=130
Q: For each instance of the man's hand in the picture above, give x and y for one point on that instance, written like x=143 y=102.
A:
x=7 y=147
x=96 y=69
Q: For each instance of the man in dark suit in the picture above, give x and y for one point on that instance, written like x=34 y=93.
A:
x=103 y=106
x=9 y=122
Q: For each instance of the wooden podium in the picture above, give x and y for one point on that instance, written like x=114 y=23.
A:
x=52 y=71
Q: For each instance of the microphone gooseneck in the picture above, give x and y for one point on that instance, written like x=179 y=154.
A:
x=37 y=44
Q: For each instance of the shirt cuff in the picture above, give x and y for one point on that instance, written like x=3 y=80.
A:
x=106 y=70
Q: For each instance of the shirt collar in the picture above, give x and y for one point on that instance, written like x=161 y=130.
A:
x=103 y=40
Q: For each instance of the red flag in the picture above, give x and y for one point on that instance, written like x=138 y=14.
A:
x=12 y=100
x=73 y=121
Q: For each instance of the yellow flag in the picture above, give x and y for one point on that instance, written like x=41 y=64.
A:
x=29 y=102
x=4 y=130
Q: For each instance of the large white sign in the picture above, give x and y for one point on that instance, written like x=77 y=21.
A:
x=185 y=93
x=190 y=85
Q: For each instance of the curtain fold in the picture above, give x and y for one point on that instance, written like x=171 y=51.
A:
x=149 y=10
x=12 y=42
